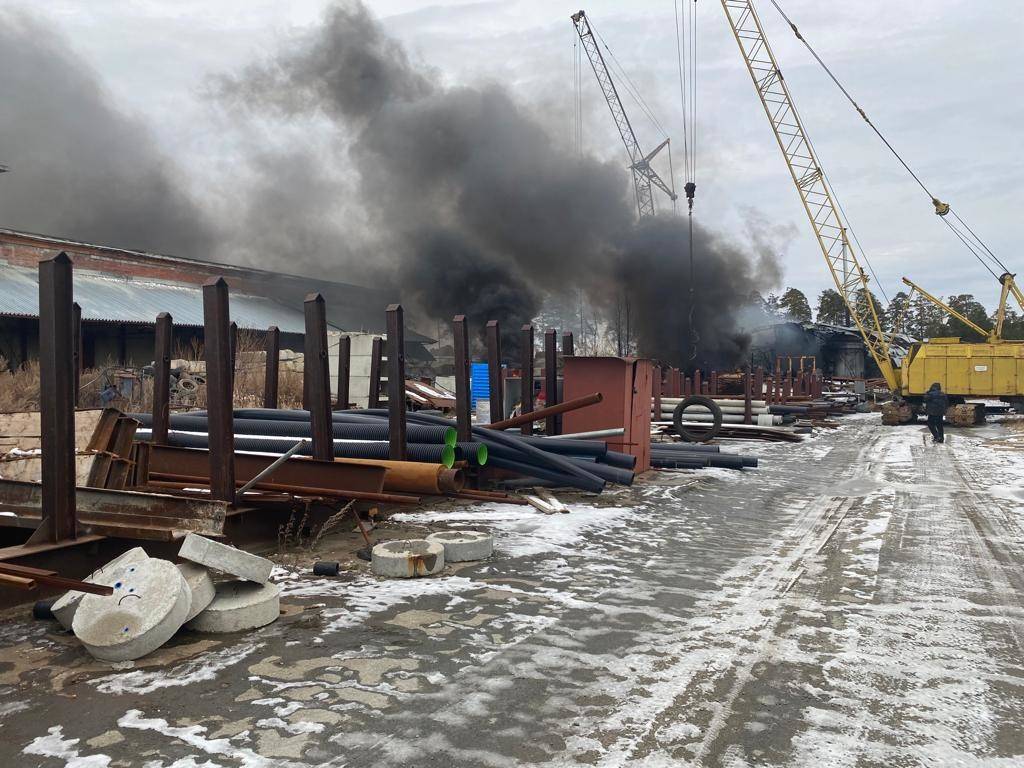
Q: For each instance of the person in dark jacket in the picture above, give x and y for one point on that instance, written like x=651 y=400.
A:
x=935 y=404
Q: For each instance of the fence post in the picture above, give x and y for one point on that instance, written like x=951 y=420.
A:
x=494 y=370
x=396 y=382
x=463 y=424
x=57 y=401
x=567 y=344
x=162 y=378
x=344 y=371
x=272 y=345
x=552 y=425
x=526 y=375
x=219 y=386
x=318 y=377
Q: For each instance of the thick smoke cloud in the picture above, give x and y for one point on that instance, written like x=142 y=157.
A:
x=79 y=167
x=352 y=163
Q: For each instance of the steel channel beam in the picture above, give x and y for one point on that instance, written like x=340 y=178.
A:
x=396 y=382
x=162 y=377
x=317 y=377
x=76 y=332
x=272 y=346
x=526 y=374
x=568 y=348
x=297 y=471
x=219 y=394
x=463 y=423
x=552 y=425
x=344 y=372
x=494 y=370
x=376 y=353
x=56 y=398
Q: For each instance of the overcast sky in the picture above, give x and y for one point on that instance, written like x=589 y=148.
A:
x=941 y=79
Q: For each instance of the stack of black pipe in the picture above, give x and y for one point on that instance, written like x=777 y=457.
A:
x=696 y=456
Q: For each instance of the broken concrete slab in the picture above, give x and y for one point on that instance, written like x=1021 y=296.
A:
x=407 y=559
x=64 y=608
x=239 y=605
x=200 y=582
x=463 y=546
x=225 y=559
x=150 y=602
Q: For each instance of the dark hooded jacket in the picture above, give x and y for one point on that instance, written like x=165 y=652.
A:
x=935 y=401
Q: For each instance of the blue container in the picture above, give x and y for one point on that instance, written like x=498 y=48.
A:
x=479 y=383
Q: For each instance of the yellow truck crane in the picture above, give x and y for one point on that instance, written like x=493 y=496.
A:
x=993 y=369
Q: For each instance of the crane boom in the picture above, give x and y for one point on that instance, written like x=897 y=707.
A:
x=640 y=164
x=815 y=193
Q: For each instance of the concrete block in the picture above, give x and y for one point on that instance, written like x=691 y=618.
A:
x=200 y=583
x=237 y=606
x=407 y=559
x=65 y=606
x=149 y=604
x=225 y=559
x=462 y=546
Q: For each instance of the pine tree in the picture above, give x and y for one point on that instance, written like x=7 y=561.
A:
x=972 y=309
x=831 y=308
x=794 y=305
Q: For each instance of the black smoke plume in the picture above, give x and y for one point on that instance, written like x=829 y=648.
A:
x=79 y=167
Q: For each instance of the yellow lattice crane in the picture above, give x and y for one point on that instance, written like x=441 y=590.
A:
x=991 y=369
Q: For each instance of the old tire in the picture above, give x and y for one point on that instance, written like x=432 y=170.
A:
x=701 y=435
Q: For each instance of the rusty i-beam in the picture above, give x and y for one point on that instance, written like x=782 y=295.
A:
x=219 y=396
x=77 y=337
x=344 y=372
x=553 y=424
x=494 y=370
x=272 y=345
x=56 y=400
x=396 y=382
x=162 y=378
x=526 y=375
x=376 y=353
x=318 y=378
x=463 y=424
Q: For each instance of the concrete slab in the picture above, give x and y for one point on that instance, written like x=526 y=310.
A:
x=463 y=546
x=200 y=583
x=64 y=608
x=150 y=602
x=239 y=605
x=225 y=559
x=407 y=559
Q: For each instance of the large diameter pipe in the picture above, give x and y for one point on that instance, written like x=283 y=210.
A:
x=361 y=430
x=473 y=452
x=552 y=410
x=432 y=454
x=617 y=459
x=416 y=476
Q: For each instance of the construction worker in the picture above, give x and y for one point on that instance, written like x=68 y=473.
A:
x=935 y=404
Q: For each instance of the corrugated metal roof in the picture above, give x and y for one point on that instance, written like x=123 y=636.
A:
x=122 y=300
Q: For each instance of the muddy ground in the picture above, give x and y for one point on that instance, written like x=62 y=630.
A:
x=857 y=600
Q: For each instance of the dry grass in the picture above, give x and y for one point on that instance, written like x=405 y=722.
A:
x=19 y=390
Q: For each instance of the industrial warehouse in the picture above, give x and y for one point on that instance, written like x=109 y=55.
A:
x=369 y=396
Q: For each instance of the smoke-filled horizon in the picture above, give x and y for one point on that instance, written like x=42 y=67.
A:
x=456 y=195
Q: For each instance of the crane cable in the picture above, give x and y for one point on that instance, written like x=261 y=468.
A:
x=977 y=247
x=686 y=50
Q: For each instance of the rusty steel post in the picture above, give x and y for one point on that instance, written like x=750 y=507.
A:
x=376 y=353
x=552 y=426
x=759 y=382
x=494 y=370
x=56 y=399
x=463 y=423
x=344 y=373
x=219 y=402
x=317 y=376
x=748 y=409
x=162 y=378
x=76 y=335
x=687 y=388
x=697 y=386
x=526 y=375
x=234 y=351
x=656 y=387
x=272 y=346
x=396 y=382
x=568 y=347
x=713 y=384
